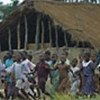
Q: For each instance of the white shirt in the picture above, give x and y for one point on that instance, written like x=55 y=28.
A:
x=75 y=69
x=67 y=62
x=49 y=62
x=85 y=64
x=71 y=74
x=17 y=69
x=28 y=65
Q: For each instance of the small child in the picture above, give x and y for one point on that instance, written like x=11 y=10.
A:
x=74 y=77
x=63 y=79
x=54 y=74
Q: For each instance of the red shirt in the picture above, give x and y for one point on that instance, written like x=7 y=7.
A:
x=42 y=70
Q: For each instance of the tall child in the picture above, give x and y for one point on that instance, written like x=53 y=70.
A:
x=42 y=70
x=88 y=74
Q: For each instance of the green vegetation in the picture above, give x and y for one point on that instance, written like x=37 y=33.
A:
x=7 y=9
x=68 y=97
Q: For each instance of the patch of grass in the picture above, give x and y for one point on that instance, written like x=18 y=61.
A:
x=68 y=97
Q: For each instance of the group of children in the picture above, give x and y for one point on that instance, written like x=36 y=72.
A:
x=13 y=72
x=75 y=77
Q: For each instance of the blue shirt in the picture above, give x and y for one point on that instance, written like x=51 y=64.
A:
x=8 y=63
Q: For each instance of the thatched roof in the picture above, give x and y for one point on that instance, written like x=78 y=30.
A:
x=82 y=20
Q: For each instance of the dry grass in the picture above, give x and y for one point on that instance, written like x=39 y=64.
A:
x=82 y=20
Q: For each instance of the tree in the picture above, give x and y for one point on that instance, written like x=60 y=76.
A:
x=94 y=1
x=1 y=3
x=14 y=2
x=7 y=9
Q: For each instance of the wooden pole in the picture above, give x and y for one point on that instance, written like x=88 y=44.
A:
x=56 y=41
x=66 y=44
x=50 y=36
x=37 y=33
x=0 y=47
x=26 y=33
x=9 y=39
x=18 y=36
x=42 y=36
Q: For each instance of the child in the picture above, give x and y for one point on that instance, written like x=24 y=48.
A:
x=14 y=71
x=88 y=74
x=8 y=62
x=26 y=63
x=17 y=76
x=74 y=77
x=54 y=74
x=42 y=70
x=63 y=70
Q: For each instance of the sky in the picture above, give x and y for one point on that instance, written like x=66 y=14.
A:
x=8 y=1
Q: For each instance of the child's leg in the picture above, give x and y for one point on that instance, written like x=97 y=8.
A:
x=9 y=92
x=64 y=86
x=22 y=94
x=5 y=88
x=75 y=87
x=41 y=84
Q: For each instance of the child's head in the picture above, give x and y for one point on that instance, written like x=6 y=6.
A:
x=54 y=57
x=24 y=55
x=74 y=62
x=87 y=56
x=9 y=55
x=18 y=56
x=93 y=57
x=42 y=57
x=65 y=51
x=47 y=55
x=29 y=57
x=62 y=59
x=14 y=57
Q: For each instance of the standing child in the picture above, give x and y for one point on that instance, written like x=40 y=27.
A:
x=54 y=74
x=63 y=70
x=17 y=78
x=42 y=70
x=8 y=62
x=74 y=77
x=97 y=73
x=88 y=74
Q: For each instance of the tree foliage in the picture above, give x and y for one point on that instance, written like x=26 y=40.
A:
x=14 y=2
x=8 y=8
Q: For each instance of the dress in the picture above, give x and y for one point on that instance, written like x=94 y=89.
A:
x=55 y=75
x=43 y=71
x=88 y=73
x=74 y=77
x=64 y=80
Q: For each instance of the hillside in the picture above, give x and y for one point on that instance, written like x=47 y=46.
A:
x=82 y=20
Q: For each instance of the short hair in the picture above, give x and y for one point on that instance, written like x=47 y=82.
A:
x=29 y=56
x=48 y=52
x=74 y=60
x=87 y=54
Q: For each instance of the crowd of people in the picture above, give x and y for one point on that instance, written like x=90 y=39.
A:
x=53 y=74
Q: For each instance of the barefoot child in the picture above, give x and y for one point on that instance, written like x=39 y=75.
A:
x=54 y=74
x=74 y=77
x=42 y=70
x=63 y=70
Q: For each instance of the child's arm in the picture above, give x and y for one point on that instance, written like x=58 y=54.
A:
x=55 y=68
x=9 y=69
